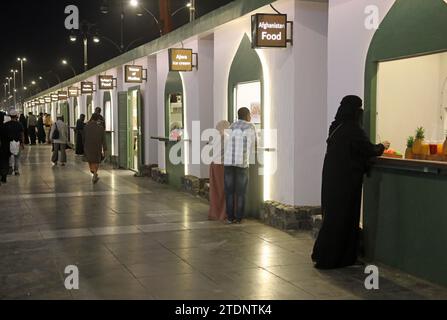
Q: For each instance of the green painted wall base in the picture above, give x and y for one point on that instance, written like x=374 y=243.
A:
x=405 y=222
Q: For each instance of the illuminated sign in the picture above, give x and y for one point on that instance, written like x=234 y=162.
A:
x=87 y=87
x=180 y=60
x=54 y=97
x=47 y=99
x=73 y=92
x=106 y=82
x=62 y=95
x=41 y=101
x=133 y=74
x=269 y=30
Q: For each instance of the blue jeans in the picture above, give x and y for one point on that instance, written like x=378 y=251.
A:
x=236 y=184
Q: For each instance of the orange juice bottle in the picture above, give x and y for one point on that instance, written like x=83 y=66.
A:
x=425 y=149
x=440 y=148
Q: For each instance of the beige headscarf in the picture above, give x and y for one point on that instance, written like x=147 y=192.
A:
x=222 y=126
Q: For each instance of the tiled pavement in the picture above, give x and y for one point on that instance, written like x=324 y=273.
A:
x=134 y=239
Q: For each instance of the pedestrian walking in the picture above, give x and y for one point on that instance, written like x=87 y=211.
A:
x=80 y=125
x=101 y=120
x=12 y=138
x=94 y=145
x=59 y=139
x=348 y=152
x=48 y=123
x=217 y=186
x=240 y=152
x=24 y=122
x=41 y=136
x=32 y=124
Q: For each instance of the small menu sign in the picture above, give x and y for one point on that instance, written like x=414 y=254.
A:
x=133 y=74
x=54 y=97
x=86 y=87
x=62 y=95
x=269 y=30
x=73 y=92
x=47 y=99
x=105 y=82
x=180 y=60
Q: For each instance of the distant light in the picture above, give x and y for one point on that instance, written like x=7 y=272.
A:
x=33 y=82
x=64 y=62
x=25 y=88
x=96 y=39
x=40 y=78
x=134 y=3
x=189 y=4
x=73 y=38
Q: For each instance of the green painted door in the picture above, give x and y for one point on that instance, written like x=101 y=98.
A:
x=174 y=125
x=122 y=130
x=135 y=130
x=245 y=89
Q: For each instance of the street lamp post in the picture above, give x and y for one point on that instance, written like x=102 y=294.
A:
x=65 y=63
x=137 y=4
x=14 y=72
x=22 y=60
x=44 y=80
x=9 y=85
x=85 y=31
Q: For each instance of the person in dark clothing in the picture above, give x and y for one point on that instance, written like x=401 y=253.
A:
x=24 y=123
x=10 y=131
x=41 y=136
x=349 y=151
x=80 y=124
x=2 y=117
x=101 y=120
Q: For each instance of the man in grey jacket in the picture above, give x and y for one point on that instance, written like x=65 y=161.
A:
x=59 y=139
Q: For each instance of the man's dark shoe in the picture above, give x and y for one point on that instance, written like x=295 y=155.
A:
x=238 y=221
x=230 y=221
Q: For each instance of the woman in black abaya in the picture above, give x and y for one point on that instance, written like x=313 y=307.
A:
x=348 y=153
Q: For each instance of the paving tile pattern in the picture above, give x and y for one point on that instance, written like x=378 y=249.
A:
x=134 y=239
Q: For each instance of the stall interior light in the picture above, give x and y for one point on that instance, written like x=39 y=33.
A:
x=96 y=39
x=134 y=3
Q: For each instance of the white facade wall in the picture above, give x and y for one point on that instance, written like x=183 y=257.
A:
x=294 y=97
x=349 y=41
x=162 y=75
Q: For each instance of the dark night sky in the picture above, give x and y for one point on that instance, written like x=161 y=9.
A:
x=35 y=29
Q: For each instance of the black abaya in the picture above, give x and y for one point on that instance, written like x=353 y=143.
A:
x=348 y=153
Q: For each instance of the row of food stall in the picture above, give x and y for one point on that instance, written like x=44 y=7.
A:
x=291 y=62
